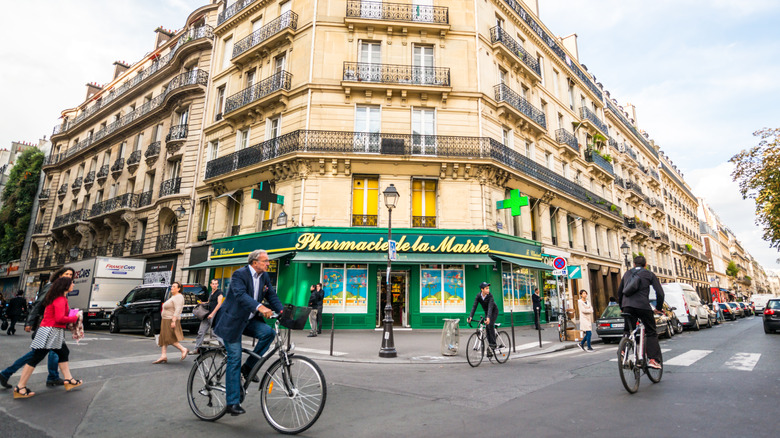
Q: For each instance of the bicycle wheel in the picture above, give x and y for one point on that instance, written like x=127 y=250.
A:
x=475 y=350
x=503 y=347
x=293 y=396
x=629 y=371
x=206 y=386
x=652 y=373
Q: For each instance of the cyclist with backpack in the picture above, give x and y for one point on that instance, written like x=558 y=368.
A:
x=634 y=299
x=485 y=298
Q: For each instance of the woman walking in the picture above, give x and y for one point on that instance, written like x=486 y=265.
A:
x=586 y=319
x=51 y=336
x=170 y=327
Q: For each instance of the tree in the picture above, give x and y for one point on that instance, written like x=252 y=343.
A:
x=732 y=269
x=18 y=197
x=757 y=172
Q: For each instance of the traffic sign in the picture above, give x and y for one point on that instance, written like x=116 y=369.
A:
x=559 y=272
x=575 y=272
x=391 y=252
x=559 y=263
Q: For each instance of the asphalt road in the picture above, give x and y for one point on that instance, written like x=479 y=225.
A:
x=725 y=383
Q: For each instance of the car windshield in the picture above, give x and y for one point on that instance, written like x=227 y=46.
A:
x=723 y=305
x=733 y=304
x=773 y=304
x=611 y=312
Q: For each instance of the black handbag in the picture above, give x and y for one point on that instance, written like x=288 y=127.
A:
x=4 y=326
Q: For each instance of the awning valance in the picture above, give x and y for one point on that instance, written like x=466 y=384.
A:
x=533 y=264
x=380 y=257
x=230 y=261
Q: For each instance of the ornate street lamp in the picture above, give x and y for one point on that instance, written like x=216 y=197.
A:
x=388 y=344
x=624 y=248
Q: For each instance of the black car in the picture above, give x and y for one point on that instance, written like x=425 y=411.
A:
x=141 y=308
x=728 y=312
x=772 y=316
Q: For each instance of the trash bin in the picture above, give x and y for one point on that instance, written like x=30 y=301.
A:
x=450 y=337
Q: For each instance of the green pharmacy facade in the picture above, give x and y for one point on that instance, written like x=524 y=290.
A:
x=435 y=276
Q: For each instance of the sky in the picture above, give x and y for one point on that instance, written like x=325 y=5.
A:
x=703 y=74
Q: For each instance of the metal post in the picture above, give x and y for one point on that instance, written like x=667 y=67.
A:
x=537 y=316
x=332 y=326
x=388 y=344
x=512 y=323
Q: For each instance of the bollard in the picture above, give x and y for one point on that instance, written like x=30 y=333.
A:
x=332 y=325
x=538 y=324
x=512 y=323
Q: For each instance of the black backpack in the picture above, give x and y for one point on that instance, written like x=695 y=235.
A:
x=632 y=285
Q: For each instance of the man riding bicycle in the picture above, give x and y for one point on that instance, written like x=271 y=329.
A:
x=485 y=298
x=243 y=313
x=637 y=304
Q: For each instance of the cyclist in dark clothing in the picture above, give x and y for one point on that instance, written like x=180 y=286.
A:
x=638 y=305
x=485 y=298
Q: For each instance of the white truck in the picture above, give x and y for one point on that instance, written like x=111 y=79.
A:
x=100 y=283
x=759 y=302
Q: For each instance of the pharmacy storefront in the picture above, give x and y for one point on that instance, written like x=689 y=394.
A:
x=436 y=275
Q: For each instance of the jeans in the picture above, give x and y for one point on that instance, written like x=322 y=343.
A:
x=205 y=326
x=22 y=361
x=586 y=339
x=313 y=321
x=264 y=335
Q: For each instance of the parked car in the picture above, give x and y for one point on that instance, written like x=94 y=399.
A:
x=772 y=316
x=737 y=310
x=714 y=320
x=141 y=308
x=675 y=326
x=610 y=324
x=747 y=308
x=728 y=312
x=687 y=305
x=718 y=311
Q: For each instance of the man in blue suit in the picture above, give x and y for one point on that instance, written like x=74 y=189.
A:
x=243 y=313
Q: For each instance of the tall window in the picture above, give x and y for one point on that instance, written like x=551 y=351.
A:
x=227 y=52
x=365 y=201
x=529 y=150
x=367 y=127
x=424 y=131
x=235 y=216
x=554 y=225
x=139 y=141
x=220 y=103
x=422 y=59
x=242 y=139
x=556 y=84
x=571 y=95
x=565 y=167
x=370 y=52
x=213 y=150
x=204 y=216
x=175 y=168
x=424 y=203
x=507 y=137
x=548 y=162
x=570 y=230
x=534 y=219
x=540 y=60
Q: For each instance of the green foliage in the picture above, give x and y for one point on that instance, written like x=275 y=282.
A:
x=18 y=197
x=747 y=278
x=732 y=269
x=613 y=207
x=688 y=246
x=758 y=175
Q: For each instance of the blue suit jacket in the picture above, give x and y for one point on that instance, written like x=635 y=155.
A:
x=240 y=303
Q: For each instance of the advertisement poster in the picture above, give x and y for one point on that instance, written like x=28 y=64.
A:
x=430 y=290
x=357 y=291
x=442 y=290
x=333 y=286
x=517 y=286
x=160 y=272
x=346 y=288
x=454 y=291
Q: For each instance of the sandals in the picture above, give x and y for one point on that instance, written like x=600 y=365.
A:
x=72 y=383
x=19 y=394
x=161 y=360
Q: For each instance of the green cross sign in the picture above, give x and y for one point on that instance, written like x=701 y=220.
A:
x=514 y=202
x=265 y=196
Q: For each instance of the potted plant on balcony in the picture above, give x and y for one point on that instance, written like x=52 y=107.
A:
x=688 y=247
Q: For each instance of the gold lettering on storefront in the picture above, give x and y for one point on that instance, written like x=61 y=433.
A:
x=313 y=242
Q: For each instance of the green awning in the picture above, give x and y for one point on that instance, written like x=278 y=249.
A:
x=533 y=264
x=380 y=257
x=230 y=261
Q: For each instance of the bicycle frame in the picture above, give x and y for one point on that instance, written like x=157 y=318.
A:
x=639 y=353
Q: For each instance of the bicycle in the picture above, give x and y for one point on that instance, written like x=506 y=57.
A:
x=630 y=364
x=292 y=389
x=475 y=347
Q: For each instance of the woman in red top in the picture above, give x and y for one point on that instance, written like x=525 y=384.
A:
x=51 y=336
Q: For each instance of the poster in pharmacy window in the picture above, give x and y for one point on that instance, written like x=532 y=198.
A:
x=357 y=290
x=430 y=291
x=333 y=286
x=454 y=296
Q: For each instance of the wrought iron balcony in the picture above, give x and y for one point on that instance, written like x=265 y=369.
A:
x=76 y=186
x=505 y=94
x=165 y=242
x=630 y=151
x=203 y=235
x=589 y=116
x=232 y=10
x=61 y=258
x=619 y=182
x=128 y=200
x=235 y=230
x=101 y=251
x=595 y=157
x=38 y=228
x=44 y=194
x=33 y=263
x=69 y=218
x=170 y=187
x=116 y=249
x=267 y=225
x=364 y=220
x=89 y=179
x=137 y=247
x=46 y=261
x=613 y=143
x=377 y=10
x=144 y=199
x=642 y=168
x=499 y=35
x=134 y=159
x=266 y=34
x=63 y=190
x=103 y=172
x=177 y=132
x=654 y=175
x=277 y=82
x=118 y=166
x=153 y=150
x=424 y=221
x=563 y=136
x=396 y=74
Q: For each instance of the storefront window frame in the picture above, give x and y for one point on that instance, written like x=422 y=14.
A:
x=346 y=278
x=442 y=275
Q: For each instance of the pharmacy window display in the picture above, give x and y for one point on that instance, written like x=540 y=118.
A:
x=517 y=286
x=442 y=289
x=345 y=287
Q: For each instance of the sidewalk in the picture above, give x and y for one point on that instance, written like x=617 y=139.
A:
x=415 y=346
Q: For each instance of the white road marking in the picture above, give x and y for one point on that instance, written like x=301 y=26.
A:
x=322 y=352
x=688 y=358
x=75 y=365
x=743 y=361
x=531 y=345
x=663 y=350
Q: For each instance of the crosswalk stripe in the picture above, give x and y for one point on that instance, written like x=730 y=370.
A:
x=743 y=361
x=688 y=358
x=663 y=350
x=531 y=345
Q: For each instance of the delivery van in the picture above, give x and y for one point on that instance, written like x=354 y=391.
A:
x=688 y=307
x=100 y=282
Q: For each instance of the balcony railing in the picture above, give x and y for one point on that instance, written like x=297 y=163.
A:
x=103 y=172
x=591 y=117
x=46 y=261
x=287 y=20
x=165 y=242
x=565 y=137
x=76 y=186
x=153 y=150
x=61 y=258
x=170 y=187
x=137 y=247
x=620 y=182
x=375 y=10
x=654 y=174
x=364 y=220
x=267 y=225
x=89 y=179
x=424 y=221
x=203 y=235
x=144 y=199
x=177 y=132
x=118 y=165
x=192 y=34
x=505 y=94
x=135 y=158
x=33 y=264
x=38 y=228
x=396 y=74
x=235 y=230
x=278 y=81
x=634 y=187
x=596 y=158
x=70 y=218
x=116 y=249
x=232 y=10
x=499 y=35
x=128 y=200
x=44 y=194
x=63 y=189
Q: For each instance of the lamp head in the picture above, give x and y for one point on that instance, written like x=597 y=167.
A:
x=624 y=248
x=391 y=197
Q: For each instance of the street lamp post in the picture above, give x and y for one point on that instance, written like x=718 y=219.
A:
x=625 y=249
x=388 y=344
x=690 y=274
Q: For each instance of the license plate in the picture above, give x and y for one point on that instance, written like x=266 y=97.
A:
x=186 y=315
x=617 y=325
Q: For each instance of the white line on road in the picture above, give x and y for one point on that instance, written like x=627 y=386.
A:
x=743 y=361
x=531 y=345
x=688 y=358
x=663 y=350
x=248 y=344
x=75 y=365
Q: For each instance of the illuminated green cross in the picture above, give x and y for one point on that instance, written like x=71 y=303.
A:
x=514 y=202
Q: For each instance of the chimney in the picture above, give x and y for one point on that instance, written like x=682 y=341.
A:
x=92 y=89
x=120 y=67
x=570 y=43
x=162 y=36
x=631 y=109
